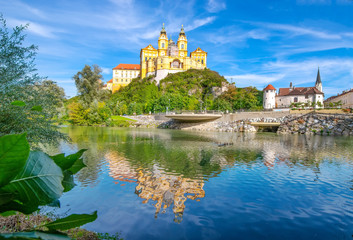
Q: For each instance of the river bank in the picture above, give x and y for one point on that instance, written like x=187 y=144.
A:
x=310 y=123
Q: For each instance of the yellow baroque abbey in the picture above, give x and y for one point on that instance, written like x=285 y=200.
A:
x=170 y=57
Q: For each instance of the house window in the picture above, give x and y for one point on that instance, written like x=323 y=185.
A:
x=295 y=99
x=202 y=61
x=306 y=96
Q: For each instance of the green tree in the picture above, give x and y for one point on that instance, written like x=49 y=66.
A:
x=19 y=81
x=88 y=84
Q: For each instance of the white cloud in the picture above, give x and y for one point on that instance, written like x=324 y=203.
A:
x=199 y=23
x=294 y=31
x=214 y=6
x=257 y=80
x=336 y=74
x=33 y=27
x=106 y=70
x=233 y=35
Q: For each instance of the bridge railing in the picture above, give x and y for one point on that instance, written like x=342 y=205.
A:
x=194 y=112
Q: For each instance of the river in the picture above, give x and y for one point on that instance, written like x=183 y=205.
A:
x=171 y=184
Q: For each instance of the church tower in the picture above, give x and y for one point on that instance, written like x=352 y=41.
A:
x=318 y=83
x=182 y=43
x=162 y=42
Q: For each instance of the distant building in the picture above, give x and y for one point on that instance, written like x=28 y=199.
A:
x=346 y=99
x=170 y=57
x=122 y=76
x=286 y=96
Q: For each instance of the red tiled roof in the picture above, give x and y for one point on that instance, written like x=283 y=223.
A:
x=270 y=87
x=110 y=81
x=298 y=91
x=127 y=66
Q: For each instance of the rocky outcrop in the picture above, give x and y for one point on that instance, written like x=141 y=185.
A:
x=320 y=124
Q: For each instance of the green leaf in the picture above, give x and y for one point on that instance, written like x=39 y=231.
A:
x=56 y=203
x=61 y=161
x=68 y=181
x=6 y=197
x=34 y=235
x=72 y=221
x=16 y=206
x=67 y=162
x=18 y=103
x=37 y=108
x=39 y=182
x=78 y=165
x=8 y=213
x=14 y=151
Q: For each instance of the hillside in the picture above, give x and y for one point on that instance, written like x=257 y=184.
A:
x=189 y=90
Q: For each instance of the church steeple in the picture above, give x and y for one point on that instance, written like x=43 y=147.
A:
x=182 y=43
x=182 y=32
x=163 y=31
x=162 y=42
x=318 y=83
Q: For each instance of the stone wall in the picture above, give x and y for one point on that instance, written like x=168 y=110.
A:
x=318 y=123
x=252 y=115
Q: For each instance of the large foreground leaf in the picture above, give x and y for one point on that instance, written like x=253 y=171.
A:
x=14 y=151
x=68 y=161
x=68 y=181
x=16 y=206
x=78 y=165
x=39 y=182
x=34 y=235
x=72 y=221
x=6 y=197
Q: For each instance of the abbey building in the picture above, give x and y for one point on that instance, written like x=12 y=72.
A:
x=170 y=57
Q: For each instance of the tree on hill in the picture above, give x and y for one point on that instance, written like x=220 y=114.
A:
x=243 y=98
x=24 y=104
x=190 y=90
x=88 y=83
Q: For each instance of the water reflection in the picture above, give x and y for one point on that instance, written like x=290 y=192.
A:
x=170 y=167
x=168 y=190
x=120 y=168
x=165 y=189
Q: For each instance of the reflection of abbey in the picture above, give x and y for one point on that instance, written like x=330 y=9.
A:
x=170 y=57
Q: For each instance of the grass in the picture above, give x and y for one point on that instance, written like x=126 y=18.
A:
x=121 y=118
x=120 y=121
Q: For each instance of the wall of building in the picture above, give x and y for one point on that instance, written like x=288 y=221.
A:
x=162 y=73
x=346 y=100
x=285 y=101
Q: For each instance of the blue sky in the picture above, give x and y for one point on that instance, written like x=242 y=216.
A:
x=252 y=42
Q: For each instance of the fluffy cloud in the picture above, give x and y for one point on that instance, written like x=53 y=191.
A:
x=214 y=6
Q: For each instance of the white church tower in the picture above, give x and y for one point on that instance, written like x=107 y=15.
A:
x=269 y=98
x=318 y=83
